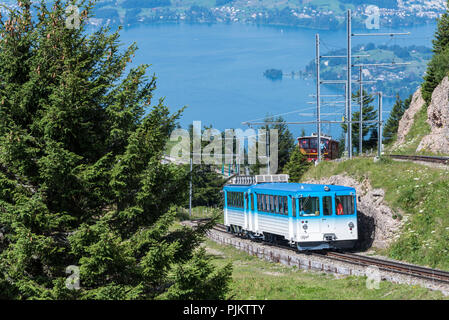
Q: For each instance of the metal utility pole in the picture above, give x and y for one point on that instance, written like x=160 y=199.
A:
x=267 y=135
x=346 y=120
x=190 y=191
x=318 y=97
x=380 y=133
x=361 y=112
x=349 y=89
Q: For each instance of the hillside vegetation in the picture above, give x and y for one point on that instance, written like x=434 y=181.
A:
x=429 y=114
x=418 y=130
x=419 y=195
x=398 y=80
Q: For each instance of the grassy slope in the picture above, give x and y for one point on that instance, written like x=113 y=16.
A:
x=419 y=129
x=417 y=190
x=254 y=278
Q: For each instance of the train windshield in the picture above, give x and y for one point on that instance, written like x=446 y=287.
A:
x=304 y=143
x=309 y=206
x=344 y=205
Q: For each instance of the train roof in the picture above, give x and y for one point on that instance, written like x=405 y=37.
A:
x=289 y=187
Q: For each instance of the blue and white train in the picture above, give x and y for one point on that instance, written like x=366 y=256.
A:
x=308 y=216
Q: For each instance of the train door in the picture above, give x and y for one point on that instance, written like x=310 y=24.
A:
x=309 y=219
x=328 y=216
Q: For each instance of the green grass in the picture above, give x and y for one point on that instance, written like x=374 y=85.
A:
x=419 y=191
x=419 y=129
x=199 y=213
x=255 y=278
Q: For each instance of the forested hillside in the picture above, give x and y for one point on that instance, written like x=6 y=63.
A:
x=86 y=206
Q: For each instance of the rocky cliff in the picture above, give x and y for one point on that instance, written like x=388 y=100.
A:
x=405 y=124
x=438 y=119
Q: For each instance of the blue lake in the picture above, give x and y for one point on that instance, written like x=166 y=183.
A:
x=217 y=70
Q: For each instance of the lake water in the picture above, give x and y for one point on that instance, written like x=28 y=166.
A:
x=217 y=70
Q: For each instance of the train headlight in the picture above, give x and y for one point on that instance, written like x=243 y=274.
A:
x=351 y=225
x=326 y=188
x=304 y=226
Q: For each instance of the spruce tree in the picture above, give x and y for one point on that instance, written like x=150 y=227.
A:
x=296 y=166
x=286 y=142
x=392 y=124
x=369 y=132
x=438 y=66
x=81 y=178
x=441 y=40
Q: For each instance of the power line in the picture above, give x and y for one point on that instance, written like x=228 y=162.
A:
x=347 y=119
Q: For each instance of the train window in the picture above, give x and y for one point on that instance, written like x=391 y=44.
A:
x=314 y=143
x=286 y=206
x=236 y=199
x=251 y=199
x=272 y=204
x=294 y=207
x=304 y=143
x=327 y=206
x=309 y=206
x=276 y=204
x=345 y=205
x=280 y=201
x=281 y=205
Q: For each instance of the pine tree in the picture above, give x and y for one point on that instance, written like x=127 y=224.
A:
x=392 y=124
x=82 y=183
x=441 y=40
x=438 y=66
x=296 y=166
x=286 y=142
x=437 y=69
x=369 y=131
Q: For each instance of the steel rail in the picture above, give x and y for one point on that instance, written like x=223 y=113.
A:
x=435 y=159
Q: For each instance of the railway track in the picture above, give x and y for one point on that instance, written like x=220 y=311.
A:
x=392 y=266
x=423 y=273
x=434 y=159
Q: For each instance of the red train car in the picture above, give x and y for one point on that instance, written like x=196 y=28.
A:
x=309 y=147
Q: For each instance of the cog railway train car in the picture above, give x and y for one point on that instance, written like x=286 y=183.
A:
x=309 y=147
x=310 y=217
